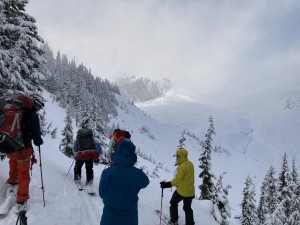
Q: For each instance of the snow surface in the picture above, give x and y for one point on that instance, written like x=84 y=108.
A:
x=250 y=154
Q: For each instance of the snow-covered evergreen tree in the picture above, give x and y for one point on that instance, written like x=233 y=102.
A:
x=67 y=142
x=278 y=216
x=20 y=56
x=207 y=186
x=294 y=173
x=294 y=218
x=268 y=196
x=43 y=122
x=222 y=209
x=285 y=189
x=249 y=212
x=271 y=194
x=262 y=208
x=284 y=177
x=181 y=140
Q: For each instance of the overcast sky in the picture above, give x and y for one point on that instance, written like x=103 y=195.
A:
x=203 y=46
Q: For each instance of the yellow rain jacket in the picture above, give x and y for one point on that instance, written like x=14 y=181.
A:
x=184 y=179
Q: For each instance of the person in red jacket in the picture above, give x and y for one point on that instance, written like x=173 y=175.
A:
x=19 y=162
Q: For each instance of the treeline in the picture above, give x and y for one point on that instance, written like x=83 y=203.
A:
x=28 y=65
x=279 y=201
x=77 y=90
x=20 y=56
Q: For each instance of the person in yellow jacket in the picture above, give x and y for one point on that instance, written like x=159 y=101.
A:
x=184 y=180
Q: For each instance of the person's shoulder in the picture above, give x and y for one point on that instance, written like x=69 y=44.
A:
x=190 y=162
x=138 y=170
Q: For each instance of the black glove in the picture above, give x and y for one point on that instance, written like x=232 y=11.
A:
x=38 y=141
x=165 y=184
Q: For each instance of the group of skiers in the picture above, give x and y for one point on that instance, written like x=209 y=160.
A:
x=119 y=184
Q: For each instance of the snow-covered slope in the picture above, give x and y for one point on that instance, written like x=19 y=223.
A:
x=255 y=135
x=65 y=205
x=250 y=142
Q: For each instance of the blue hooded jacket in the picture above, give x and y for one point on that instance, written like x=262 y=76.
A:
x=119 y=187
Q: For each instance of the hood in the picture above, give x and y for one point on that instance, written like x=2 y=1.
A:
x=125 y=154
x=183 y=153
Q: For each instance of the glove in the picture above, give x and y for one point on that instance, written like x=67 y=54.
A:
x=165 y=184
x=38 y=141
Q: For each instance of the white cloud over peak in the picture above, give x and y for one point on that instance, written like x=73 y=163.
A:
x=204 y=47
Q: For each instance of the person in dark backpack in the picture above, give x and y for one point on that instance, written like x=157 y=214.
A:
x=18 y=145
x=85 y=152
x=115 y=138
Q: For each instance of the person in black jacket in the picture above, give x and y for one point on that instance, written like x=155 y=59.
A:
x=19 y=161
x=85 y=152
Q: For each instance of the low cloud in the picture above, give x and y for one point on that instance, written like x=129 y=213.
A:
x=204 y=47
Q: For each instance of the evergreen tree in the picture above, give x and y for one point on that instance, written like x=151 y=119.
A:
x=207 y=186
x=294 y=173
x=181 y=140
x=262 y=208
x=20 y=56
x=284 y=177
x=249 y=212
x=285 y=189
x=66 y=144
x=222 y=209
x=268 y=196
x=43 y=123
x=278 y=216
x=294 y=218
x=271 y=193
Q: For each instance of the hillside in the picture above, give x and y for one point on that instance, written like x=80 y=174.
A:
x=243 y=151
x=251 y=138
x=66 y=206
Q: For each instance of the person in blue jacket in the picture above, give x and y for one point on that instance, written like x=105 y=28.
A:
x=119 y=187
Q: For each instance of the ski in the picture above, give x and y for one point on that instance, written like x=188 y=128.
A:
x=79 y=186
x=163 y=217
x=10 y=200
x=80 y=189
x=87 y=190
x=91 y=193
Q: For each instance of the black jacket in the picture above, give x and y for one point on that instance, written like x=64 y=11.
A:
x=30 y=128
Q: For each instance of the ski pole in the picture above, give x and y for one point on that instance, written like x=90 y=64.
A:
x=71 y=166
x=22 y=218
x=41 y=175
x=162 y=195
